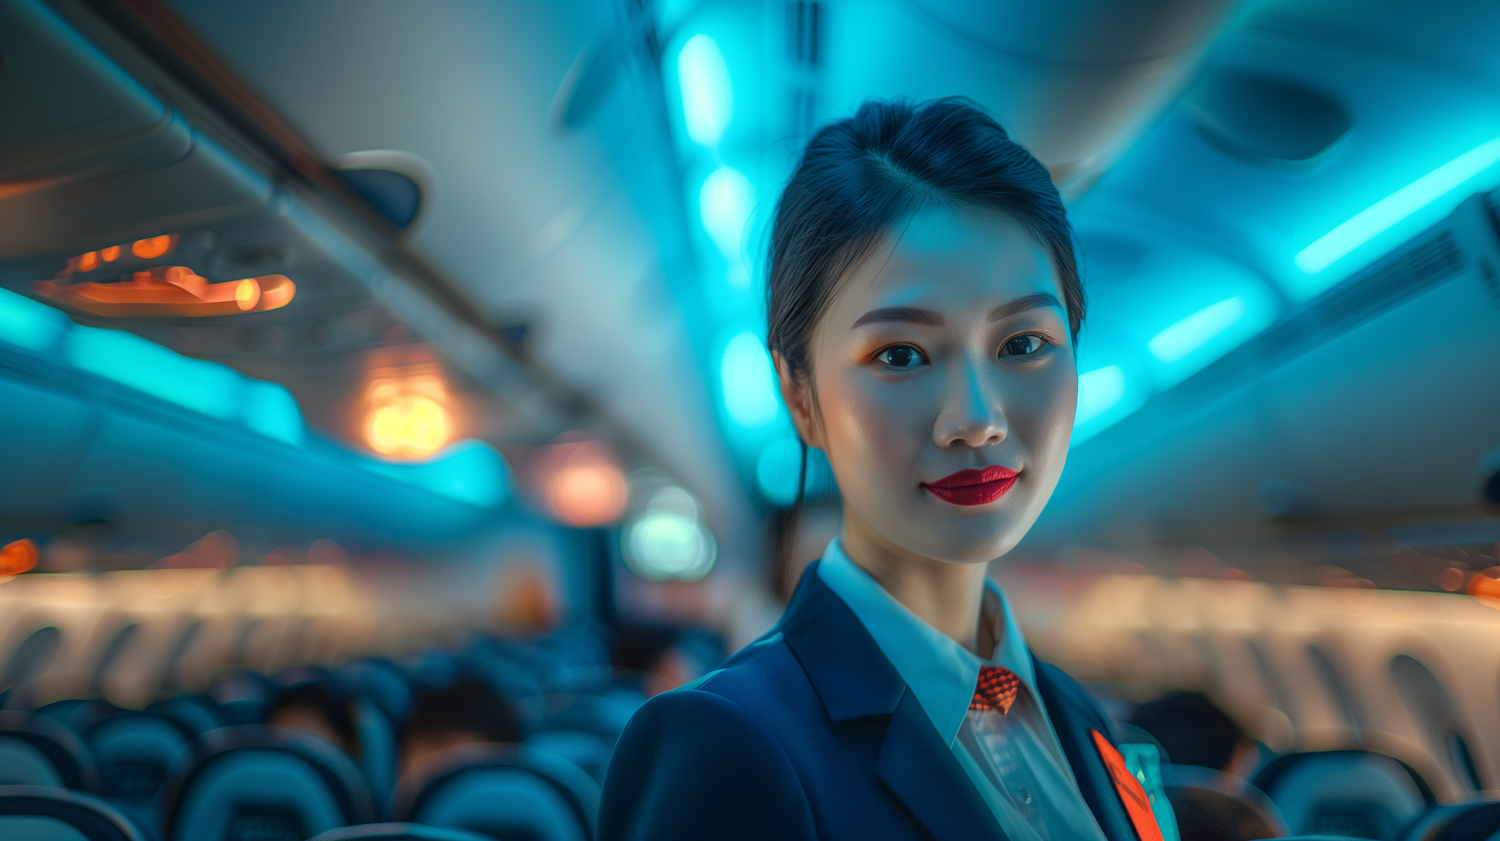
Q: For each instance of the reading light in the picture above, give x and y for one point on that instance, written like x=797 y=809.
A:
x=408 y=418
x=150 y=249
x=172 y=291
x=581 y=483
x=18 y=557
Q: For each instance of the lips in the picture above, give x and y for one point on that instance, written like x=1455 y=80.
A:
x=973 y=487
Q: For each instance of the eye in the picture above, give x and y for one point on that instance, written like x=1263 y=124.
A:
x=1023 y=345
x=901 y=356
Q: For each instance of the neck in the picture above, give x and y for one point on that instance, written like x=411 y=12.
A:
x=948 y=596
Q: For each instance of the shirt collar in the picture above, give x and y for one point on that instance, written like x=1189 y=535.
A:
x=940 y=672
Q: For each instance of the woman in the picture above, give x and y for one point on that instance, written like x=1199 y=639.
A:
x=924 y=305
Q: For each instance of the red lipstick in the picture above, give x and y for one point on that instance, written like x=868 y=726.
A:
x=973 y=487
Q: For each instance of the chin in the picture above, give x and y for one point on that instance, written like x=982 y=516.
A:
x=963 y=543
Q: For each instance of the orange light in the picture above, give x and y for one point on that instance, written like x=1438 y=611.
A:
x=1485 y=587
x=581 y=483
x=410 y=425
x=88 y=262
x=172 y=291
x=148 y=249
x=18 y=557
x=110 y=254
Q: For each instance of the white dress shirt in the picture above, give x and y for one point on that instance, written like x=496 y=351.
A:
x=1014 y=760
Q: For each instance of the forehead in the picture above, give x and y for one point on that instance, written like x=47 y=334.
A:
x=944 y=256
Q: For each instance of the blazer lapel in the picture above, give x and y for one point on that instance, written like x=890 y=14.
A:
x=1074 y=718
x=925 y=776
x=854 y=680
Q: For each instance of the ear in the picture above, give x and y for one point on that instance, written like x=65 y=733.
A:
x=798 y=396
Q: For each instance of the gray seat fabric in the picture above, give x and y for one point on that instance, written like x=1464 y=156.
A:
x=1350 y=793
x=34 y=813
x=504 y=792
x=265 y=784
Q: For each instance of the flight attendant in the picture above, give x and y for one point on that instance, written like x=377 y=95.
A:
x=924 y=305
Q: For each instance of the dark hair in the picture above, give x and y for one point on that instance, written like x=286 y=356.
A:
x=859 y=175
x=1191 y=729
x=467 y=705
x=324 y=699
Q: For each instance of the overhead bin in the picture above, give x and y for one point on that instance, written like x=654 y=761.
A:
x=103 y=425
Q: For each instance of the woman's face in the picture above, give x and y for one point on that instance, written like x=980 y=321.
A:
x=943 y=386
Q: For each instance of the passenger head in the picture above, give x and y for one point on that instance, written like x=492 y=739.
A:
x=317 y=708
x=1193 y=731
x=924 y=300
x=465 y=711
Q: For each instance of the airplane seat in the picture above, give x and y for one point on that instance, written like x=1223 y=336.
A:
x=378 y=748
x=1463 y=822
x=77 y=714
x=37 y=751
x=195 y=712
x=504 y=792
x=397 y=832
x=588 y=750
x=266 y=783
x=1345 y=792
x=38 y=813
x=1212 y=806
x=135 y=752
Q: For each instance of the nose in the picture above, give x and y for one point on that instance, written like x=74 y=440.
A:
x=971 y=414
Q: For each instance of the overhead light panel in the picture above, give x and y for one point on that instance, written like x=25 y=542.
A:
x=1389 y=211
x=707 y=98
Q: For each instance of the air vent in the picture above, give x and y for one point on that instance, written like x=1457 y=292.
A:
x=804 y=53
x=803 y=30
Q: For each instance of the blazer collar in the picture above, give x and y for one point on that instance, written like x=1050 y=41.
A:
x=852 y=677
x=854 y=680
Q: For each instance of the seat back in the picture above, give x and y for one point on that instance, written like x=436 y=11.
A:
x=39 y=751
x=35 y=813
x=589 y=751
x=263 y=783
x=377 y=749
x=134 y=752
x=1352 y=793
x=1464 y=822
x=504 y=792
x=398 y=832
x=194 y=712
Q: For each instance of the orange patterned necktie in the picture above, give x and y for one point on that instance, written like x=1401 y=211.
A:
x=996 y=689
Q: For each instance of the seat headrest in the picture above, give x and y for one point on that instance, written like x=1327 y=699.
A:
x=31 y=745
x=49 y=814
x=398 y=832
x=1345 y=792
x=502 y=791
x=134 y=752
x=263 y=781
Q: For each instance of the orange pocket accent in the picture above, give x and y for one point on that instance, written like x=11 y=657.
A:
x=1129 y=789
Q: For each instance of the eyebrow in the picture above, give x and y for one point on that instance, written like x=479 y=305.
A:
x=917 y=315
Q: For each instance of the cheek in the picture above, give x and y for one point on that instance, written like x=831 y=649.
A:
x=1045 y=417
x=871 y=425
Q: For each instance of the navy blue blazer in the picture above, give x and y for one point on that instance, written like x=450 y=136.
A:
x=810 y=733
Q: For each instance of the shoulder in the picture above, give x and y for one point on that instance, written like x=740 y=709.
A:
x=693 y=764
x=704 y=761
